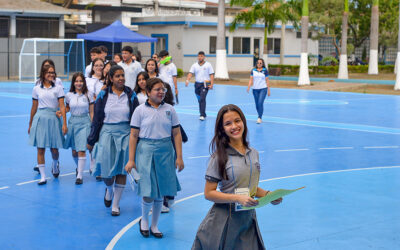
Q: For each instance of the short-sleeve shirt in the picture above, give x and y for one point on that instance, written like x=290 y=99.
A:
x=202 y=72
x=88 y=69
x=57 y=82
x=259 y=78
x=142 y=98
x=47 y=97
x=244 y=167
x=79 y=103
x=167 y=73
x=154 y=123
x=117 y=108
x=131 y=71
x=94 y=85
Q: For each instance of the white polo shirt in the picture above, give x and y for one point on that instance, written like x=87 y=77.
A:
x=94 y=85
x=88 y=70
x=48 y=97
x=154 y=123
x=131 y=71
x=202 y=72
x=79 y=103
x=117 y=108
x=57 y=82
x=259 y=78
x=167 y=73
x=142 y=98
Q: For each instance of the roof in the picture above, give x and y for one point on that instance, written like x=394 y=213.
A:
x=32 y=7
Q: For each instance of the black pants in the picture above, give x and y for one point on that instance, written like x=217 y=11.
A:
x=201 y=94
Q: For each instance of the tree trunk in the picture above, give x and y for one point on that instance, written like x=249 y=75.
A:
x=282 y=55
x=397 y=84
x=304 y=78
x=373 y=48
x=265 y=49
x=221 y=69
x=343 y=72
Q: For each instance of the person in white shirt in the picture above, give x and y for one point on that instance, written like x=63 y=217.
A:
x=95 y=80
x=80 y=103
x=260 y=82
x=152 y=68
x=104 y=52
x=168 y=71
x=95 y=52
x=49 y=62
x=204 y=75
x=140 y=88
x=131 y=67
x=46 y=130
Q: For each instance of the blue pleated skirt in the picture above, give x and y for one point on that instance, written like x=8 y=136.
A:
x=78 y=132
x=155 y=162
x=111 y=152
x=46 y=129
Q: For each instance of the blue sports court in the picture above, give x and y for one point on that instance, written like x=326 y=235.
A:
x=344 y=147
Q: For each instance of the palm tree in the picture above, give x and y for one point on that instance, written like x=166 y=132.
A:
x=343 y=72
x=221 y=69
x=397 y=85
x=373 y=47
x=304 y=78
x=282 y=54
x=269 y=12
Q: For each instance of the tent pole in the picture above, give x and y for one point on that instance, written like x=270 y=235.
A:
x=112 y=51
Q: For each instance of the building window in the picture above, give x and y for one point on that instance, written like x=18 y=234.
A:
x=4 y=26
x=274 y=46
x=37 y=27
x=241 y=45
x=298 y=34
x=213 y=44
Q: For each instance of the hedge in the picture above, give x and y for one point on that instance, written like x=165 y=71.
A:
x=328 y=70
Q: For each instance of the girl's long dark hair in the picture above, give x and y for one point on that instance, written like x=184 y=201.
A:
x=220 y=141
x=43 y=72
x=106 y=78
x=137 y=87
x=92 y=71
x=156 y=70
x=111 y=74
x=84 y=87
x=169 y=96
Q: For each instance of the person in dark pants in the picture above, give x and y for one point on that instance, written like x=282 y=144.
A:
x=204 y=76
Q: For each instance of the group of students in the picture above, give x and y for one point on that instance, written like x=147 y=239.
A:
x=125 y=129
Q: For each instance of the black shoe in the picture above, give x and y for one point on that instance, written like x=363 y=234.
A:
x=78 y=181
x=114 y=213
x=157 y=235
x=144 y=233
x=98 y=178
x=56 y=171
x=107 y=203
x=36 y=169
x=42 y=182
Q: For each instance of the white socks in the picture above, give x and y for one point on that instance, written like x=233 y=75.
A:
x=42 y=172
x=145 y=214
x=118 y=189
x=156 y=215
x=109 y=193
x=81 y=166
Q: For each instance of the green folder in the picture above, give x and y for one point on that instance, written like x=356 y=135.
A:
x=167 y=59
x=271 y=196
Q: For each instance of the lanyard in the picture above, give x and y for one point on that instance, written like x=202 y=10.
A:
x=233 y=174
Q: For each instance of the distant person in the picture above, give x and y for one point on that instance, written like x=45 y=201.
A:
x=106 y=69
x=131 y=67
x=204 y=75
x=95 y=52
x=117 y=58
x=95 y=80
x=259 y=80
x=140 y=88
x=138 y=55
x=155 y=57
x=168 y=71
x=152 y=68
x=104 y=53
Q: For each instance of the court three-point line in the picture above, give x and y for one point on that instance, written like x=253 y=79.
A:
x=336 y=148
x=289 y=150
x=377 y=147
x=5 y=187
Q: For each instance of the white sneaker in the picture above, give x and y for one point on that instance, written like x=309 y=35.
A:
x=202 y=118
x=259 y=121
x=164 y=209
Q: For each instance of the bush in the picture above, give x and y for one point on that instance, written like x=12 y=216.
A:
x=180 y=72
x=329 y=70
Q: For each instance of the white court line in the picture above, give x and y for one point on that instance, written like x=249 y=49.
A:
x=336 y=148
x=5 y=187
x=288 y=150
x=27 y=182
x=195 y=157
x=14 y=116
x=118 y=236
x=372 y=147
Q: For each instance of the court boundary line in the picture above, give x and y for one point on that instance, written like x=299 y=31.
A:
x=118 y=236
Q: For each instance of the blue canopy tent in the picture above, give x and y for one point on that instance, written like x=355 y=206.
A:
x=116 y=33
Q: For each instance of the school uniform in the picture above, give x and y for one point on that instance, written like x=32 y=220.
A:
x=79 y=122
x=88 y=69
x=167 y=73
x=260 y=89
x=223 y=227
x=110 y=129
x=94 y=85
x=155 y=156
x=57 y=81
x=142 y=98
x=202 y=75
x=131 y=71
x=46 y=129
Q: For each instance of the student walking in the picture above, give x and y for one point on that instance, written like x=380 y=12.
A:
x=46 y=129
x=110 y=129
x=168 y=71
x=80 y=104
x=49 y=62
x=153 y=156
x=140 y=88
x=130 y=66
x=259 y=80
x=95 y=80
x=235 y=167
x=204 y=75
x=95 y=52
x=152 y=68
